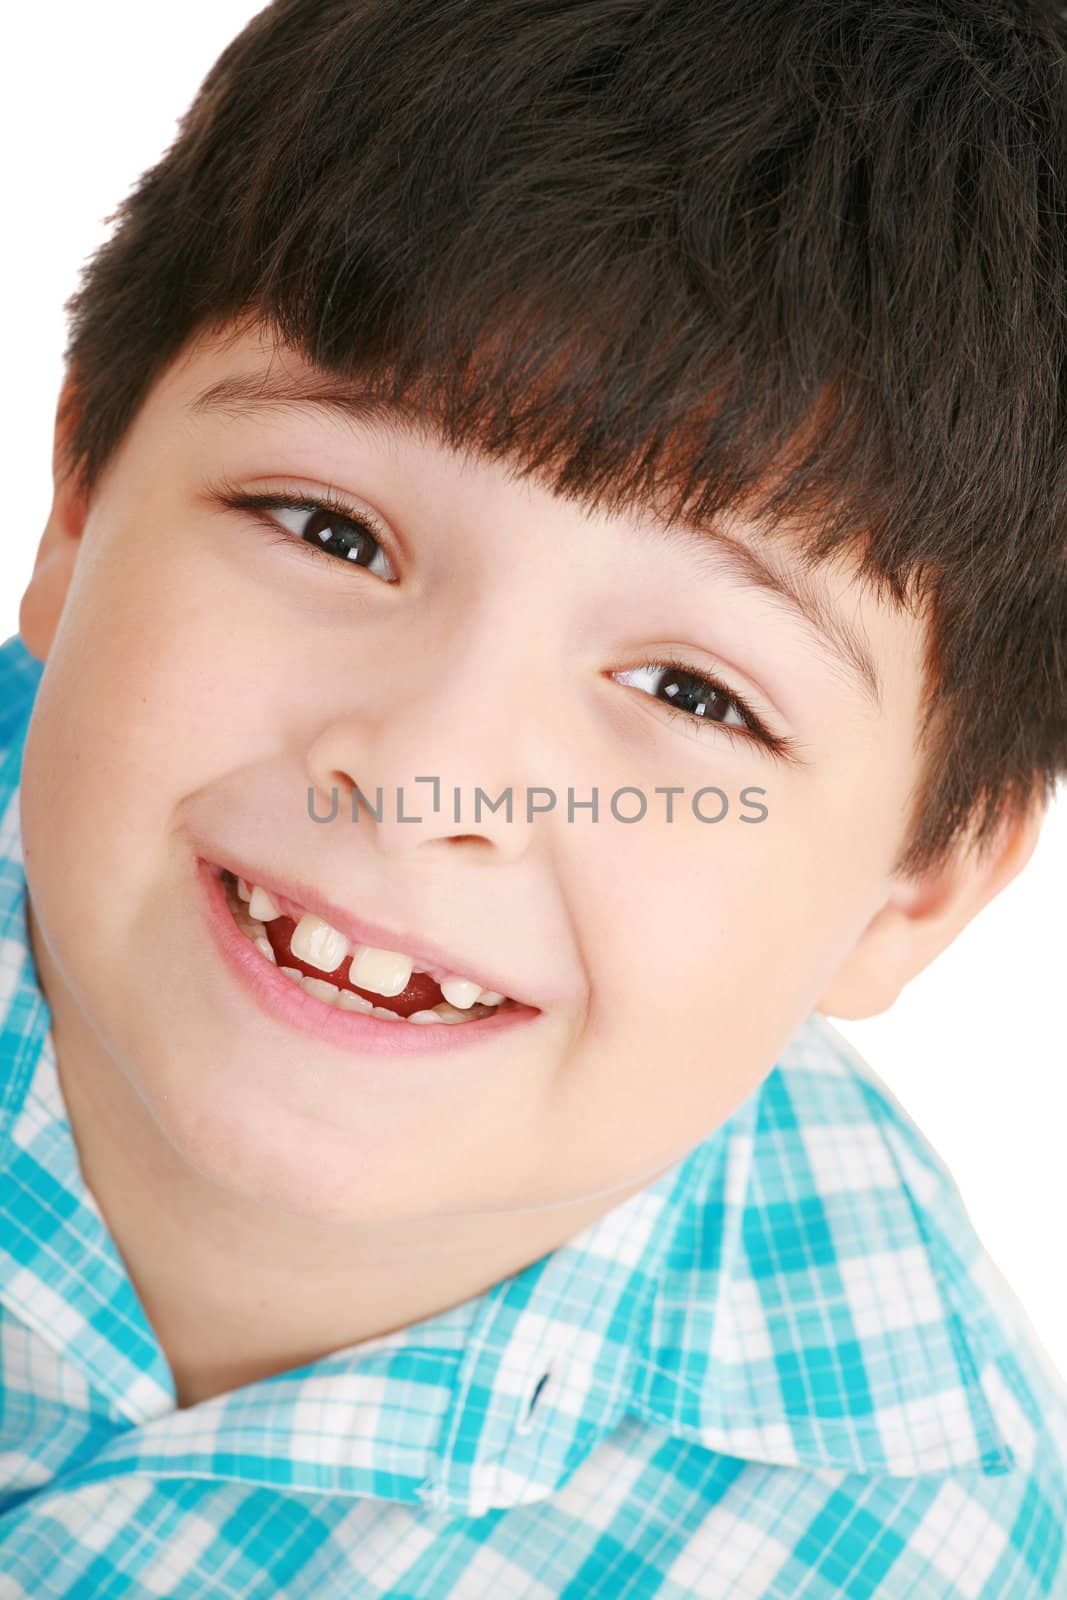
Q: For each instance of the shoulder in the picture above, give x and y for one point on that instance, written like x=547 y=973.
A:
x=987 y=1527
x=1028 y=1393
x=902 y=1431
x=889 y=1154
x=841 y=1311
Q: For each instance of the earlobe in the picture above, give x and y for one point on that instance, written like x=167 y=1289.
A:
x=921 y=916
x=45 y=594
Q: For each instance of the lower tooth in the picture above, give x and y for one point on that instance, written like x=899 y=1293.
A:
x=318 y=986
x=263 y=945
x=349 y=1001
x=448 y=1013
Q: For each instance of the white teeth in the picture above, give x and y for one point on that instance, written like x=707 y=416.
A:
x=261 y=906
x=386 y=972
x=347 y=1001
x=315 y=942
x=443 y=1012
x=325 y=991
x=344 y=1000
x=460 y=992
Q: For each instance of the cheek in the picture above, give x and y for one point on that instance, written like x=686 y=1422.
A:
x=714 y=940
x=120 y=732
x=161 y=693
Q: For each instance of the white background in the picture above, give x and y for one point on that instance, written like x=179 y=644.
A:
x=974 y=1048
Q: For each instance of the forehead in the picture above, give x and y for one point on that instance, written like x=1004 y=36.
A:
x=245 y=373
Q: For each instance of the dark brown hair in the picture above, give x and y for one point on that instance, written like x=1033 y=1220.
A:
x=809 y=256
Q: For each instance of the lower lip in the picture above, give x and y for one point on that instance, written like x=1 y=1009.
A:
x=282 y=998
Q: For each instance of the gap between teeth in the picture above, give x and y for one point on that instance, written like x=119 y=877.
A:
x=252 y=926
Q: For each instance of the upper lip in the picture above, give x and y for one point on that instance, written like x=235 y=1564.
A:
x=425 y=954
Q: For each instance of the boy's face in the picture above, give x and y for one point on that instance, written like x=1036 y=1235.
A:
x=207 y=670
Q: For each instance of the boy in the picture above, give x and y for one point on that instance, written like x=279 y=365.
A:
x=556 y=584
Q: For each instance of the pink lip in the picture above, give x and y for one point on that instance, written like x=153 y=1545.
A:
x=352 y=1030
x=294 y=899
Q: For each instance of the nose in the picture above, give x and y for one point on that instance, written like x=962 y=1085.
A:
x=437 y=751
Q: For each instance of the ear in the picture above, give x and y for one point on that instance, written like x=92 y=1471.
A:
x=923 y=915
x=45 y=594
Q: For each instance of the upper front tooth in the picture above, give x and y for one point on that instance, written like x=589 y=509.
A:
x=261 y=906
x=244 y=889
x=385 y=972
x=317 y=943
x=460 y=992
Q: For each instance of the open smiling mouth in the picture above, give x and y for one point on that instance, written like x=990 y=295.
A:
x=319 y=960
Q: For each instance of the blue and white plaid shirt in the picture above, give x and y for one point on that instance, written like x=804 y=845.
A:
x=786 y=1370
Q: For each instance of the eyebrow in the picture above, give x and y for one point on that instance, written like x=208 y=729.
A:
x=841 y=644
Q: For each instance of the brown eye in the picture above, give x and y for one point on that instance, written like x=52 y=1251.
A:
x=347 y=538
x=705 y=703
x=703 y=699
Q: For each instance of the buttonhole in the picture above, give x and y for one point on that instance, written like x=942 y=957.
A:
x=527 y=1421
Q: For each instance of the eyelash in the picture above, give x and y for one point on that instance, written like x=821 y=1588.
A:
x=234 y=499
x=756 y=733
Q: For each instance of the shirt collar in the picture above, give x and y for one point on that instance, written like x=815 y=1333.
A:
x=787 y=1293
